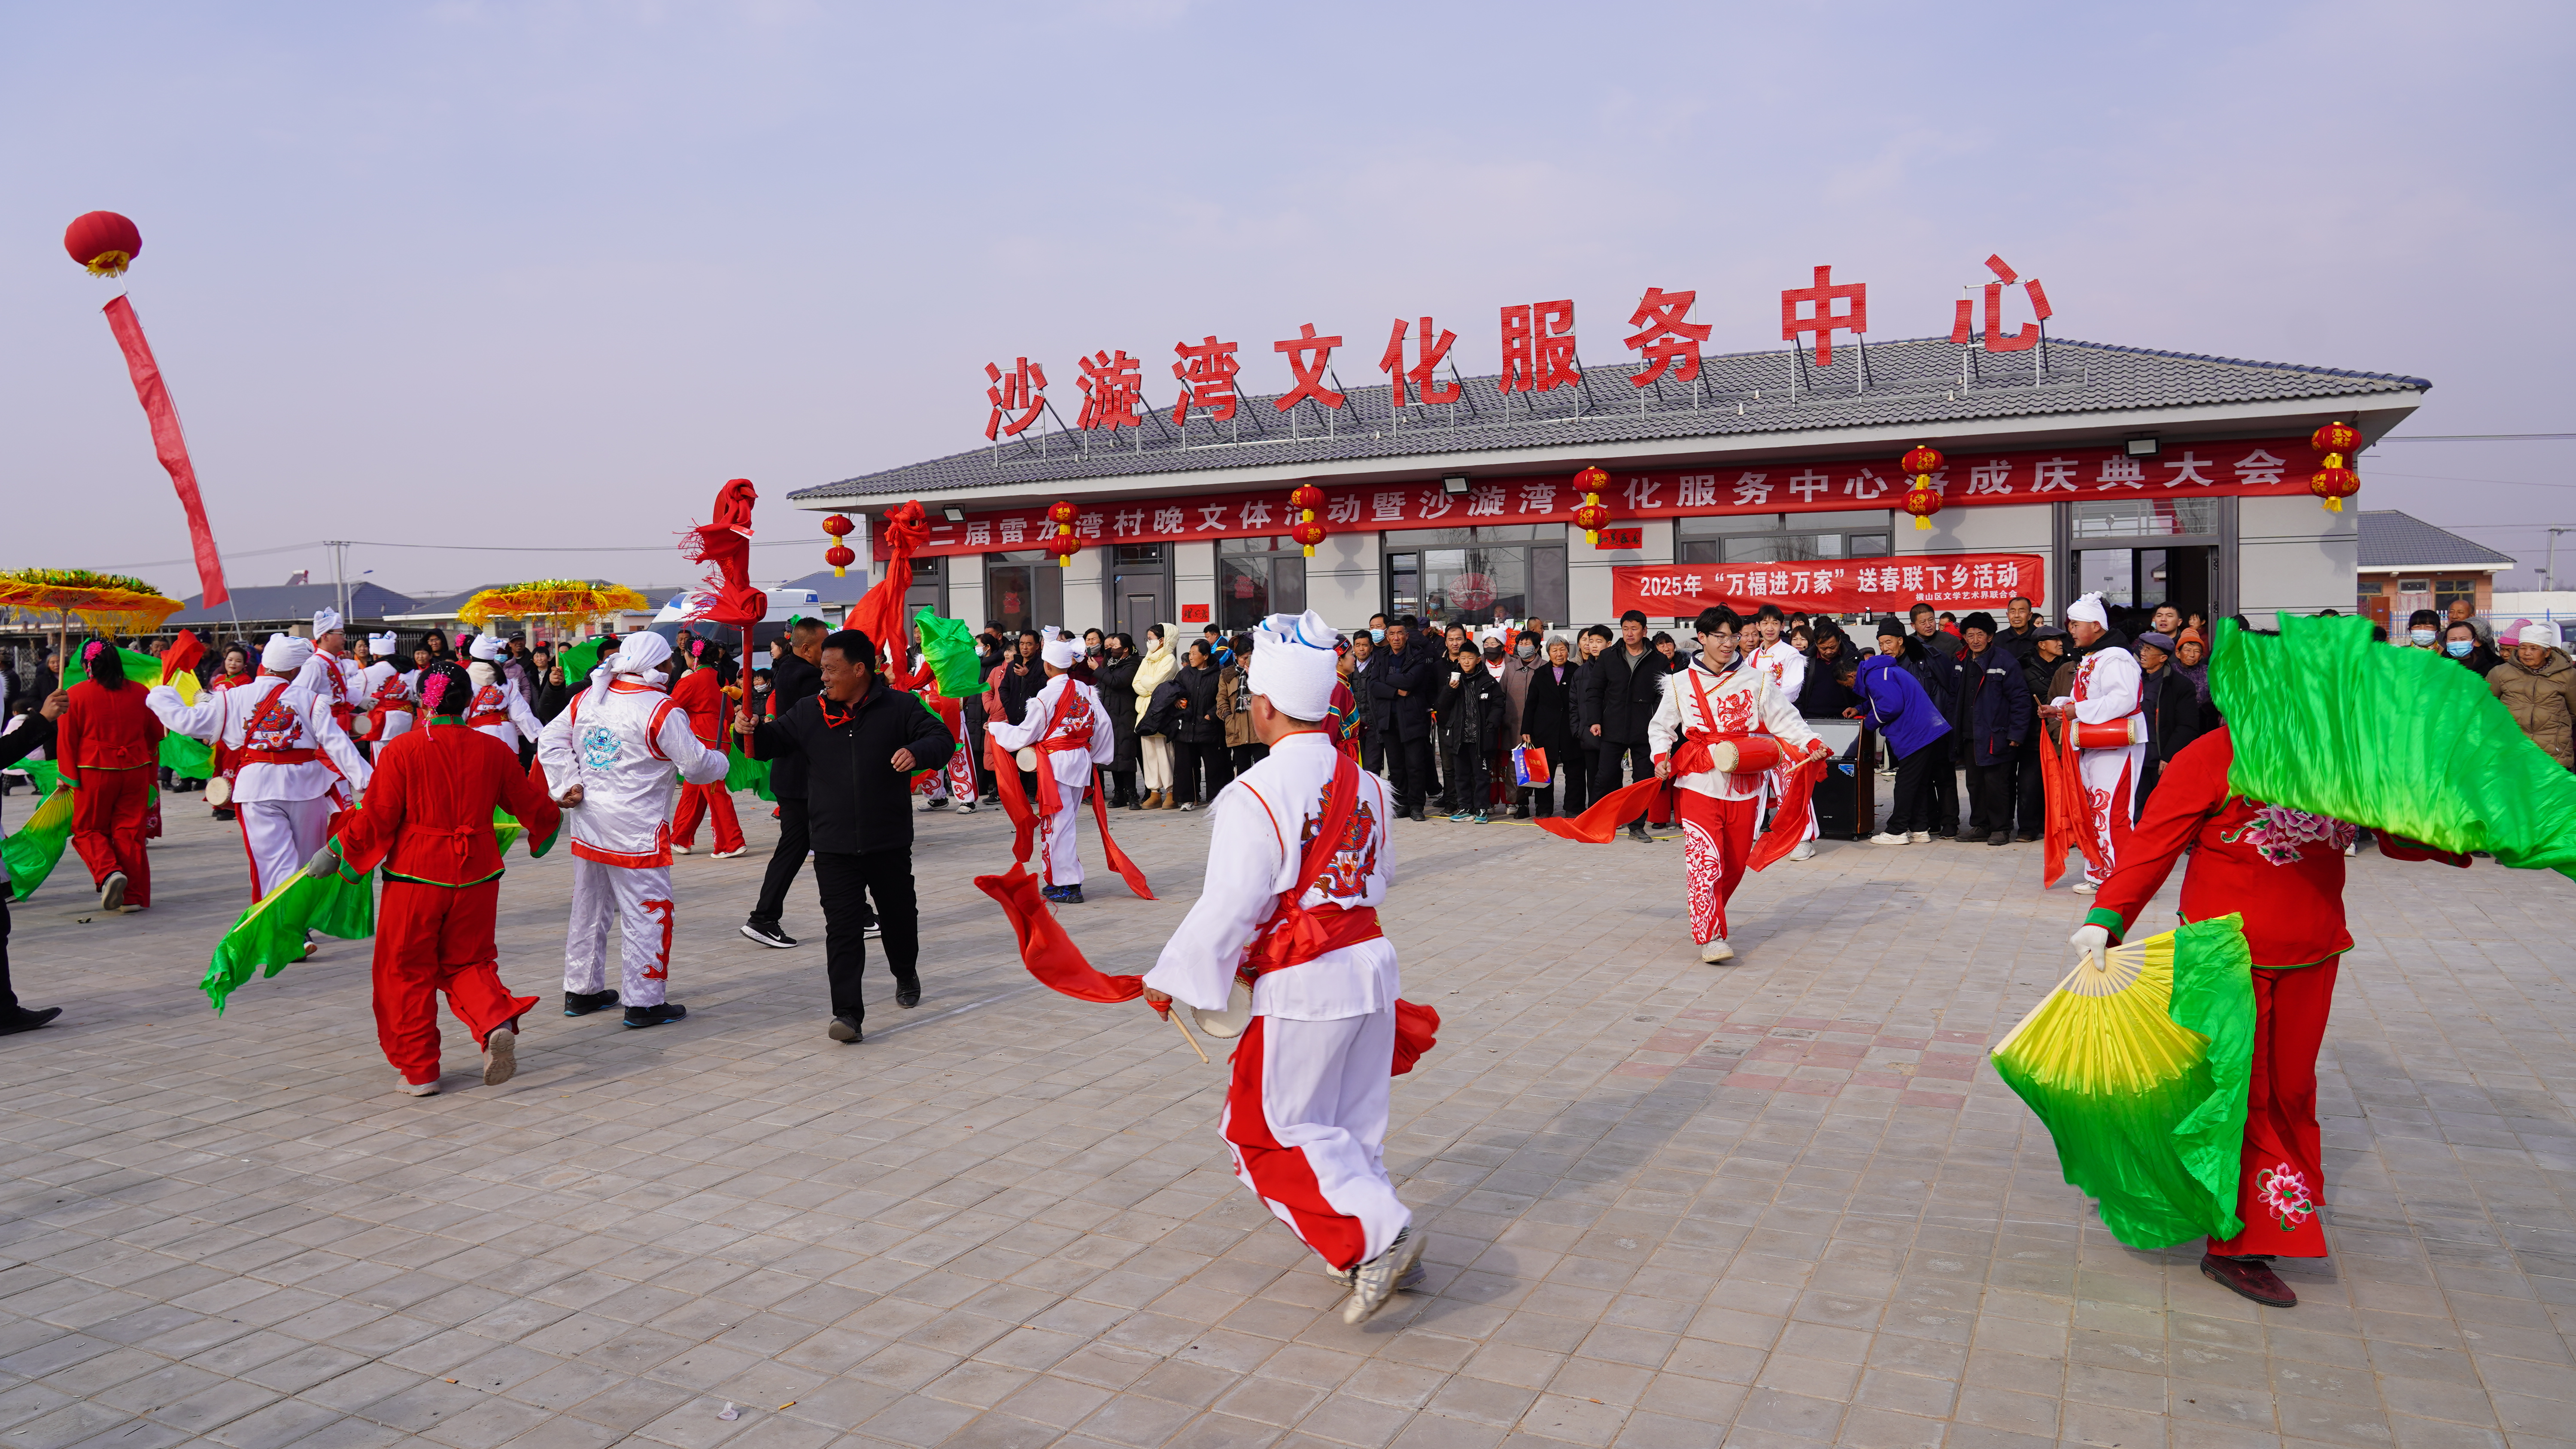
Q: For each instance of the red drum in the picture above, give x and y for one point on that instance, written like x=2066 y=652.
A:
x=1749 y=755
x=2116 y=734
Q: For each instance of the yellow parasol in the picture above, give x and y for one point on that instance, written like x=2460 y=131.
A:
x=104 y=603
x=564 y=599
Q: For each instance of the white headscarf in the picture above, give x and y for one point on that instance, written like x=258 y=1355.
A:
x=637 y=654
x=285 y=654
x=1059 y=651
x=326 y=620
x=2088 y=609
x=490 y=649
x=383 y=645
x=1294 y=664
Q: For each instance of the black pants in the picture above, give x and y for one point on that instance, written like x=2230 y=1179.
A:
x=1411 y=772
x=1579 y=767
x=1247 y=756
x=1122 y=786
x=1990 y=790
x=1372 y=751
x=784 y=862
x=2030 y=798
x=848 y=882
x=1605 y=766
x=1944 y=806
x=1915 y=776
x=1469 y=784
x=8 y=994
x=1191 y=759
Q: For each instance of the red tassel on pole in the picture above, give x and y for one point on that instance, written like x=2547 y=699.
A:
x=170 y=445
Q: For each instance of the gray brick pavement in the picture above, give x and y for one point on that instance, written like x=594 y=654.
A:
x=1781 y=1203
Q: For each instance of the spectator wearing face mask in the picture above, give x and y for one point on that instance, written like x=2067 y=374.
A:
x=2465 y=611
x=2538 y=686
x=2423 y=630
x=2460 y=643
x=1519 y=671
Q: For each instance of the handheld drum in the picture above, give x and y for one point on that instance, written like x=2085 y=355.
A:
x=1749 y=755
x=1229 y=1023
x=2115 y=734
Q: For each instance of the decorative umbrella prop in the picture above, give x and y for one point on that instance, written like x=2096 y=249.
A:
x=103 y=603
x=2138 y=1068
x=569 y=601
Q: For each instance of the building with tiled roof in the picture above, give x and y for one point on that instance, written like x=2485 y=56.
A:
x=2405 y=564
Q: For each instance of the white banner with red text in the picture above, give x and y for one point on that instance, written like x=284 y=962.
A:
x=1954 y=582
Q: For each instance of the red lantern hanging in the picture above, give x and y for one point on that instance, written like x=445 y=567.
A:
x=1306 y=498
x=1064 y=545
x=1592 y=517
x=2333 y=482
x=1308 y=534
x=1304 y=502
x=838 y=555
x=1922 y=495
x=103 y=242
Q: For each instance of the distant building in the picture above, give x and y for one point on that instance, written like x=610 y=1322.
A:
x=2408 y=564
x=256 y=613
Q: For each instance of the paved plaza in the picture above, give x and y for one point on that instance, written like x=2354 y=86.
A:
x=1779 y=1203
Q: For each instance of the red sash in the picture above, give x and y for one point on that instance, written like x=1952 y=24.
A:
x=1015 y=799
x=1293 y=934
x=1598 y=824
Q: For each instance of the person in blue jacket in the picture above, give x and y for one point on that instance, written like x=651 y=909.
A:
x=1894 y=703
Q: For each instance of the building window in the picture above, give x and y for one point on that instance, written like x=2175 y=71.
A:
x=929 y=588
x=2446 y=590
x=1023 y=590
x=1477 y=575
x=2147 y=518
x=1258 y=577
x=1782 y=537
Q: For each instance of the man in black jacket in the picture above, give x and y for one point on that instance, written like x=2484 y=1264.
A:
x=1402 y=689
x=35 y=734
x=794 y=677
x=1620 y=692
x=861 y=740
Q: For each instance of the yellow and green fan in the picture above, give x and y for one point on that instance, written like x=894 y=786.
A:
x=2138 y=1068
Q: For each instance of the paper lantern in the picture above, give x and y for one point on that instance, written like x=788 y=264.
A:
x=1592 y=517
x=839 y=557
x=103 y=242
x=2336 y=437
x=1060 y=513
x=1307 y=498
x=1308 y=534
x=1923 y=459
x=2333 y=482
x=1064 y=545
x=1922 y=500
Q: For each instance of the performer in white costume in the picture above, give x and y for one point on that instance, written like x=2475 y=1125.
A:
x=1719 y=700
x=610 y=758
x=386 y=690
x=499 y=709
x=1786 y=670
x=297 y=767
x=330 y=675
x=1299 y=859
x=1066 y=724
x=2106 y=692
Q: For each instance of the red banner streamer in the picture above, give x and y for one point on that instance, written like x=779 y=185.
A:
x=171 y=446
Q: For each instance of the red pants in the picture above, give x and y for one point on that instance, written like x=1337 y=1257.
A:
x=697 y=800
x=2283 y=1179
x=431 y=939
x=1717 y=838
x=109 y=812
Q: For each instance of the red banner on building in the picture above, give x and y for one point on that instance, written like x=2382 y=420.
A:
x=1955 y=582
x=2243 y=468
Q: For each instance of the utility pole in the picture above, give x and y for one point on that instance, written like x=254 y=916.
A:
x=2549 y=570
x=339 y=574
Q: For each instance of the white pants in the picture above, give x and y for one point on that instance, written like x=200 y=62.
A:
x=1305 y=1120
x=1154 y=758
x=1056 y=837
x=634 y=902
x=2104 y=793
x=397 y=724
x=279 y=836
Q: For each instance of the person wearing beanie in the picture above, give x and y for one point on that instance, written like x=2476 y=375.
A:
x=1065 y=724
x=428 y=822
x=107 y=744
x=610 y=759
x=294 y=767
x=2105 y=692
x=1299 y=860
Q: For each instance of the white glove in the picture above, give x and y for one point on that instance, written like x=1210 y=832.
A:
x=2092 y=945
x=325 y=861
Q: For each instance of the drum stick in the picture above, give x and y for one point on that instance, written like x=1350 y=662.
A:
x=1175 y=1019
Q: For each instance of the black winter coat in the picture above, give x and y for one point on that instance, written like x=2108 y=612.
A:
x=2173 y=710
x=1197 y=722
x=1995 y=711
x=855 y=799
x=1364 y=674
x=1547 y=715
x=1403 y=691
x=1117 y=685
x=1619 y=699
x=1471 y=711
x=792 y=681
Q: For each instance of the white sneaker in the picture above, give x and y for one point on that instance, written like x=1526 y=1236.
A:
x=2084 y=887
x=417 y=1089
x=679 y=850
x=1717 y=950
x=1888 y=837
x=500 y=1056
x=1373 y=1284
x=111 y=891
x=1806 y=851
x=1190 y=805
x=1921 y=837
x=730 y=854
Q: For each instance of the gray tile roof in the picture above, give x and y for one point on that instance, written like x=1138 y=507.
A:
x=1739 y=394
x=2394 y=540
x=292 y=601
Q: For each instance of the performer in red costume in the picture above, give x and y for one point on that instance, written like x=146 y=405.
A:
x=701 y=693
x=108 y=744
x=428 y=821
x=2283 y=871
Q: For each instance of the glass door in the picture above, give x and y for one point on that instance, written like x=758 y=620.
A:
x=1023 y=590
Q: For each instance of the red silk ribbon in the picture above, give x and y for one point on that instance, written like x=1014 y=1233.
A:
x=170 y=445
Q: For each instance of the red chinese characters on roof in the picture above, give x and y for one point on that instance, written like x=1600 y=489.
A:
x=1538 y=347
x=1824 y=321
x=1667 y=339
x=1423 y=374
x=1111 y=389
x=1308 y=356
x=2027 y=338
x=1021 y=390
x=1207 y=374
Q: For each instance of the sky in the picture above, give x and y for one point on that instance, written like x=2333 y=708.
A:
x=506 y=291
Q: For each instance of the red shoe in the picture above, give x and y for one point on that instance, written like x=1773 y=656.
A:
x=2248 y=1278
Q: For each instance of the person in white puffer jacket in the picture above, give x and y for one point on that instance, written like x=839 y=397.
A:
x=610 y=758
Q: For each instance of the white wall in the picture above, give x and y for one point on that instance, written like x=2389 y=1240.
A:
x=1193 y=582
x=1345 y=578
x=1587 y=569
x=1083 y=577
x=2293 y=555
x=2006 y=528
x=966 y=588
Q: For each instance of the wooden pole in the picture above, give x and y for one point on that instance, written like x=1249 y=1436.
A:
x=1174 y=1017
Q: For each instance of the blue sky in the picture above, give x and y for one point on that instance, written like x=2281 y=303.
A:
x=545 y=275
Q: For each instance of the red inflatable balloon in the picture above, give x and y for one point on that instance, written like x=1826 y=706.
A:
x=103 y=242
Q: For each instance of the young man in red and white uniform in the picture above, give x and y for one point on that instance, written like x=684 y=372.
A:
x=1068 y=726
x=1305 y=1118
x=499 y=709
x=387 y=690
x=2107 y=687
x=294 y=767
x=1717 y=699
x=2283 y=871
x=610 y=758
x=1786 y=670
x=700 y=691
x=330 y=675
